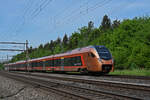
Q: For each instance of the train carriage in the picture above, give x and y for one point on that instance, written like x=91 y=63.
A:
x=96 y=59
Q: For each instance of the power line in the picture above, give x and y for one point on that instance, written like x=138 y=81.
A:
x=76 y=13
x=11 y=43
x=41 y=7
x=71 y=13
x=28 y=9
x=24 y=16
x=37 y=11
x=14 y=28
x=92 y=8
x=11 y=50
x=101 y=3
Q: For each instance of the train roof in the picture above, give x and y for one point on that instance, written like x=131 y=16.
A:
x=71 y=52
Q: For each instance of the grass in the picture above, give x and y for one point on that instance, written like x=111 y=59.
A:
x=137 y=72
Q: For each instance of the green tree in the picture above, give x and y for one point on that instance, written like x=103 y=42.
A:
x=47 y=46
x=74 y=40
x=90 y=26
x=65 y=40
x=1 y=66
x=115 y=24
x=58 y=41
x=106 y=23
x=41 y=46
x=30 y=49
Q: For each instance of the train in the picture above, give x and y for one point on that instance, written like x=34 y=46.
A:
x=90 y=59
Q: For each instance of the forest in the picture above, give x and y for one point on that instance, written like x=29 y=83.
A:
x=128 y=41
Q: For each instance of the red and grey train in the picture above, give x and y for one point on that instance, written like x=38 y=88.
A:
x=94 y=59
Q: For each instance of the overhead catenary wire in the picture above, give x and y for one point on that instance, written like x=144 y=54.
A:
x=79 y=13
x=83 y=12
x=29 y=14
x=34 y=12
x=41 y=7
x=14 y=28
x=66 y=10
x=76 y=13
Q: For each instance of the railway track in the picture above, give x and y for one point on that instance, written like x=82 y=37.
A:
x=110 y=76
x=128 y=77
x=82 y=92
x=143 y=87
x=45 y=85
x=116 y=76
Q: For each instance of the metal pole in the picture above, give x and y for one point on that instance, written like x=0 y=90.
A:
x=7 y=59
x=27 y=55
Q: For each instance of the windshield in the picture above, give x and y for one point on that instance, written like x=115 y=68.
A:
x=103 y=52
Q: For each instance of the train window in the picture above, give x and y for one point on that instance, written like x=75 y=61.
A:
x=24 y=65
x=57 y=62
x=52 y=62
x=67 y=62
x=92 y=55
x=39 y=64
x=31 y=64
x=73 y=61
x=21 y=66
x=17 y=65
x=34 y=64
x=78 y=61
x=49 y=63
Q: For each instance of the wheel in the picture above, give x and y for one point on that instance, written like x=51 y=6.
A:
x=83 y=71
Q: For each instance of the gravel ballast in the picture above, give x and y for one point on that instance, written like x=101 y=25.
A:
x=14 y=90
x=129 y=92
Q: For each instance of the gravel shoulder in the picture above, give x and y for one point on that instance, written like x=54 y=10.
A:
x=14 y=90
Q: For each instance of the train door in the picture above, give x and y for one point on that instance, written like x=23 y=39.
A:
x=90 y=61
x=30 y=66
x=62 y=63
x=44 y=67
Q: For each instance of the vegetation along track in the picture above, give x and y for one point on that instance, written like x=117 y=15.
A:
x=83 y=92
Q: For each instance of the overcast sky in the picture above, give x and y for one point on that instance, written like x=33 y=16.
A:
x=40 y=21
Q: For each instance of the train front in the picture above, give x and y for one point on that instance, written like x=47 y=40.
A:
x=105 y=59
